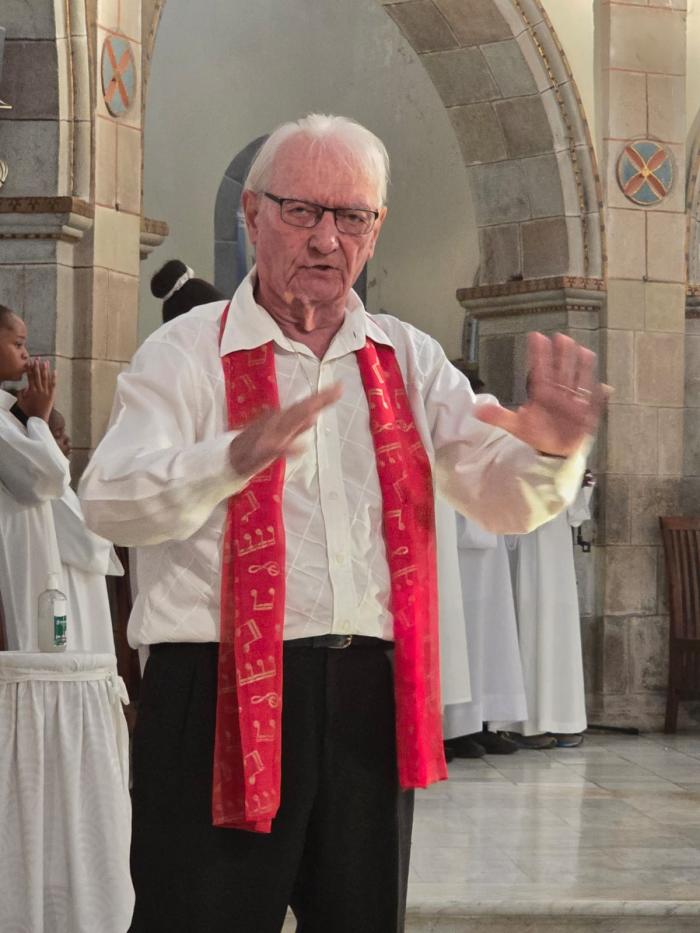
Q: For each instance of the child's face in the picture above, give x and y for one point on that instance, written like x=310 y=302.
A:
x=14 y=356
x=57 y=426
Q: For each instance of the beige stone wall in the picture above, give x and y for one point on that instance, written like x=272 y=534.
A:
x=643 y=341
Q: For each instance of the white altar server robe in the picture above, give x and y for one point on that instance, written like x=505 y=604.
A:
x=497 y=687
x=86 y=559
x=549 y=625
x=454 y=648
x=32 y=472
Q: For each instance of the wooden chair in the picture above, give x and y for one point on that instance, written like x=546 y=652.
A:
x=681 y=540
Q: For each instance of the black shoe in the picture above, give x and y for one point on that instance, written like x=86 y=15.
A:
x=449 y=754
x=568 y=739
x=465 y=747
x=495 y=743
x=541 y=742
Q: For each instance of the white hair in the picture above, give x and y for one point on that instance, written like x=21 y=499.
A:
x=365 y=150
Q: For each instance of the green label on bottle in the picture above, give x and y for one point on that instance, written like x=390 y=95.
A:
x=59 y=631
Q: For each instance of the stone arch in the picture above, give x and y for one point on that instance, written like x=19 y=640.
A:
x=693 y=208
x=512 y=100
x=229 y=236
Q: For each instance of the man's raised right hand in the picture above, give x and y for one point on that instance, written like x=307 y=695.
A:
x=274 y=434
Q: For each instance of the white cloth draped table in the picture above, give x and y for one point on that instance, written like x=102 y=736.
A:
x=65 y=811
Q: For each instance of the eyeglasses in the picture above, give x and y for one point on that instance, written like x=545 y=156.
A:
x=352 y=220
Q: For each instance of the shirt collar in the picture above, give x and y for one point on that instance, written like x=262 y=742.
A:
x=7 y=400
x=249 y=326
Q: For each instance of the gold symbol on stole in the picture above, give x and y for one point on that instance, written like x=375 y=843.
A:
x=258 y=356
x=402 y=619
x=389 y=450
x=264 y=477
x=253 y=504
x=254 y=633
x=263 y=805
x=272 y=568
x=377 y=393
x=261 y=736
x=397 y=514
x=248 y=388
x=272 y=699
x=405 y=572
x=398 y=486
x=381 y=428
x=259 y=544
x=259 y=605
x=378 y=372
x=400 y=552
x=254 y=761
x=262 y=673
x=399 y=396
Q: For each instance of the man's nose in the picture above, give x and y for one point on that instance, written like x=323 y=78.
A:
x=324 y=236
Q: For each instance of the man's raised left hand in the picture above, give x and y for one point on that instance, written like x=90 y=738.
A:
x=564 y=403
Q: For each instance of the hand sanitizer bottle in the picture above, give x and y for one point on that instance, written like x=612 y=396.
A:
x=52 y=617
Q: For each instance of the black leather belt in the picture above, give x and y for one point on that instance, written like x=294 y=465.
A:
x=338 y=641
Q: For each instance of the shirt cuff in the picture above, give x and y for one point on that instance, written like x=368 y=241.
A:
x=567 y=472
x=211 y=462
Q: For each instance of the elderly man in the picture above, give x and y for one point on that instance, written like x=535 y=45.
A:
x=274 y=460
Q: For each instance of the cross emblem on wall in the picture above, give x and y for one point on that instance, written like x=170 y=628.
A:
x=118 y=75
x=645 y=172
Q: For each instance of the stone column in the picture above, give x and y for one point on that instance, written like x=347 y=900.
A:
x=45 y=207
x=70 y=210
x=107 y=280
x=642 y=53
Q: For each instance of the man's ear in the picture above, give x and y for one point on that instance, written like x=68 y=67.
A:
x=251 y=206
x=375 y=231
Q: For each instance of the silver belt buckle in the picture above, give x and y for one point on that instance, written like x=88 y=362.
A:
x=346 y=642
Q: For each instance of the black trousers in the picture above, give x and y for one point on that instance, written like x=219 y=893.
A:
x=339 y=848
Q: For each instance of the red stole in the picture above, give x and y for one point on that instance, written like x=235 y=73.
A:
x=247 y=750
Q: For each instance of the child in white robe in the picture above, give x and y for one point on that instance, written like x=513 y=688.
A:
x=86 y=559
x=33 y=471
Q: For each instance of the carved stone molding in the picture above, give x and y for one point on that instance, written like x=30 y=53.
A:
x=499 y=317
x=153 y=232
x=45 y=218
x=533 y=296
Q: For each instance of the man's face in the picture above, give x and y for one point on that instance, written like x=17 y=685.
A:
x=316 y=265
x=14 y=357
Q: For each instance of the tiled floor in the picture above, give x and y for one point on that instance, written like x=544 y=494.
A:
x=568 y=839
x=615 y=820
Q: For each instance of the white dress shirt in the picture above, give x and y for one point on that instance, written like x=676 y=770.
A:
x=161 y=477
x=33 y=471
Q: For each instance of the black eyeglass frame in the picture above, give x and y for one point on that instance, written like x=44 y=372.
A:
x=322 y=208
